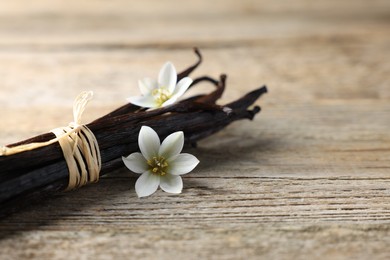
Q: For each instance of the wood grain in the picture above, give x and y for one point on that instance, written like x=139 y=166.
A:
x=307 y=179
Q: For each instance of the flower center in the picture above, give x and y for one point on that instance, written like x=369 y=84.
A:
x=161 y=95
x=158 y=165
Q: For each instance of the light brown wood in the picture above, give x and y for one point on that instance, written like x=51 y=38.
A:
x=309 y=178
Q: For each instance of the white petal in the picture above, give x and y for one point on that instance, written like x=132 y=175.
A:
x=147 y=85
x=147 y=184
x=148 y=142
x=167 y=77
x=182 y=164
x=182 y=87
x=169 y=101
x=136 y=162
x=171 y=183
x=172 y=145
x=142 y=101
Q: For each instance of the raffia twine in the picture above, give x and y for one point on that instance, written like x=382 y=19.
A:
x=79 y=146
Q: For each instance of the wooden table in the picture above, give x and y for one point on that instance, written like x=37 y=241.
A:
x=309 y=178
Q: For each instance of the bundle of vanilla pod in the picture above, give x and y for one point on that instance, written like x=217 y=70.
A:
x=42 y=171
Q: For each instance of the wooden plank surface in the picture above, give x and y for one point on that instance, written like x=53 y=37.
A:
x=307 y=179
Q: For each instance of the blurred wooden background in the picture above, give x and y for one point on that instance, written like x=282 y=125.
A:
x=309 y=178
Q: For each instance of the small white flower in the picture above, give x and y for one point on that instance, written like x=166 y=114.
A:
x=163 y=92
x=160 y=165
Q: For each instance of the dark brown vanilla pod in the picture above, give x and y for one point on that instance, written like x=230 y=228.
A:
x=42 y=171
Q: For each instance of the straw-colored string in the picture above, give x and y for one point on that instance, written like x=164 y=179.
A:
x=78 y=144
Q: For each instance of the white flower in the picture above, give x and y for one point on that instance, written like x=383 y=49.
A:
x=160 y=165
x=163 y=92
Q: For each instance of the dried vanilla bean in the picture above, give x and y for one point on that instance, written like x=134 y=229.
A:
x=43 y=171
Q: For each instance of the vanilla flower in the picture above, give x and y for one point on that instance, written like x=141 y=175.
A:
x=162 y=92
x=159 y=165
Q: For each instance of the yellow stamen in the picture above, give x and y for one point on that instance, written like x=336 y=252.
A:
x=158 y=165
x=161 y=95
